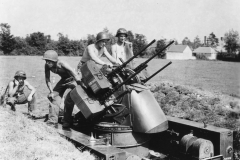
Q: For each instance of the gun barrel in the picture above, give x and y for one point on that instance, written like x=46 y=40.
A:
x=144 y=63
x=130 y=59
x=125 y=63
x=145 y=80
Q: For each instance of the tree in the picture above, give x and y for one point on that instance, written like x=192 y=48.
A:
x=139 y=43
x=51 y=45
x=63 y=44
x=70 y=47
x=175 y=41
x=106 y=30
x=76 y=47
x=7 y=41
x=231 y=40
x=38 y=40
x=161 y=44
x=212 y=40
x=196 y=42
x=130 y=36
x=186 y=41
x=91 y=39
x=21 y=46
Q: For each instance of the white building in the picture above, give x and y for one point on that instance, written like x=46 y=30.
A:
x=181 y=52
x=209 y=52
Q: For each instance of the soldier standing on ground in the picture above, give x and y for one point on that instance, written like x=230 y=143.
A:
x=21 y=91
x=68 y=81
x=122 y=49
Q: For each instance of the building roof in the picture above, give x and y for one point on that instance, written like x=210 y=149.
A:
x=177 y=48
x=203 y=50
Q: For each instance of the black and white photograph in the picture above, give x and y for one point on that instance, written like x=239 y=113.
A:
x=120 y=80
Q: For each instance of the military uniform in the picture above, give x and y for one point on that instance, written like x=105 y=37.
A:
x=63 y=87
x=20 y=97
x=124 y=52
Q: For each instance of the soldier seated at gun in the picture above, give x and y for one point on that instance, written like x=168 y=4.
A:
x=96 y=51
x=68 y=81
x=20 y=91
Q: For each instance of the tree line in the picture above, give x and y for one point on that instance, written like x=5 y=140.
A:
x=37 y=43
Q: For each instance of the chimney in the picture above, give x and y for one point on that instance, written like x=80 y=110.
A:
x=204 y=40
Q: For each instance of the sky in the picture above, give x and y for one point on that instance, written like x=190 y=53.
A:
x=156 y=19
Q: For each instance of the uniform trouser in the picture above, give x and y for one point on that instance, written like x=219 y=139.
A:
x=61 y=89
x=22 y=99
x=68 y=109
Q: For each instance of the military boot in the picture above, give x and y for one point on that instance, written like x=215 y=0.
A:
x=66 y=126
x=51 y=124
x=13 y=107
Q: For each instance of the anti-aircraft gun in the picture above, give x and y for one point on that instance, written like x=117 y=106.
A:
x=126 y=117
x=121 y=109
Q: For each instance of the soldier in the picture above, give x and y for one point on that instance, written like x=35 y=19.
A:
x=122 y=49
x=96 y=51
x=21 y=91
x=67 y=82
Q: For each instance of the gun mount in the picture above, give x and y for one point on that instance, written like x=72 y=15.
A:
x=126 y=122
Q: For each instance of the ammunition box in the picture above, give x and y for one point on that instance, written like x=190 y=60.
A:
x=88 y=106
x=94 y=78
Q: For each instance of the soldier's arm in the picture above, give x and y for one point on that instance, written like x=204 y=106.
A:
x=47 y=78
x=94 y=57
x=114 y=54
x=132 y=63
x=109 y=57
x=131 y=48
x=33 y=90
x=11 y=89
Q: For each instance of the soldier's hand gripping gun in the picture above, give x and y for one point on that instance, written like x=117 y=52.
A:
x=111 y=91
x=121 y=67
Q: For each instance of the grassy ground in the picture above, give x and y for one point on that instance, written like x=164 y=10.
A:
x=22 y=138
x=214 y=76
x=194 y=90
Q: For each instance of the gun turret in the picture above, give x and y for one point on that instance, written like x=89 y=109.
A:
x=110 y=92
x=119 y=68
x=145 y=63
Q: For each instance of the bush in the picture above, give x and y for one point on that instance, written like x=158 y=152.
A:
x=201 y=57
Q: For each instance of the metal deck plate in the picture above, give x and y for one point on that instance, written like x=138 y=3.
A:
x=98 y=148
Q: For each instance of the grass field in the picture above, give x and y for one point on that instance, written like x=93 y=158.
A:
x=206 y=78
x=215 y=76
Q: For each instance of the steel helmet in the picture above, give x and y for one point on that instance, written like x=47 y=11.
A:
x=121 y=31
x=102 y=36
x=20 y=74
x=51 y=55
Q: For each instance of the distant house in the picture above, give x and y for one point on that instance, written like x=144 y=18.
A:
x=179 y=52
x=209 y=52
